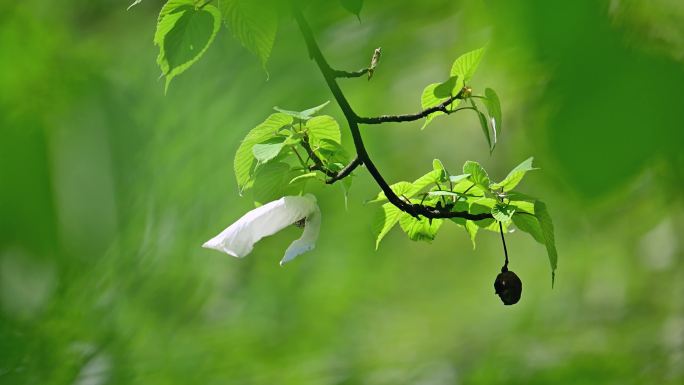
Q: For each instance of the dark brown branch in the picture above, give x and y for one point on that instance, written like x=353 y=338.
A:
x=318 y=163
x=353 y=121
x=443 y=107
x=347 y=74
x=356 y=162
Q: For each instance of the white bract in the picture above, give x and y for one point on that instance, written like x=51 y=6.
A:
x=239 y=238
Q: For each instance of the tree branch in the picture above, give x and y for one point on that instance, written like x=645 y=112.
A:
x=347 y=74
x=411 y=117
x=356 y=162
x=353 y=121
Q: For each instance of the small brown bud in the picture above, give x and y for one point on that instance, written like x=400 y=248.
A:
x=508 y=287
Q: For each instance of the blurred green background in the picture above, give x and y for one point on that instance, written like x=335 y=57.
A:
x=109 y=187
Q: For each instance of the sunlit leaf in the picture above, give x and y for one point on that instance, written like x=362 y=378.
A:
x=428 y=100
x=244 y=158
x=478 y=175
x=303 y=115
x=265 y=151
x=529 y=224
x=502 y=212
x=390 y=217
x=515 y=176
x=421 y=229
x=458 y=178
x=465 y=66
x=270 y=181
x=253 y=23
x=184 y=32
x=399 y=188
x=323 y=128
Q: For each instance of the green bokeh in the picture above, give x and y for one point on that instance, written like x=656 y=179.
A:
x=108 y=188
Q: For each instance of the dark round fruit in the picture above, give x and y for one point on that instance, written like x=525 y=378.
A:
x=508 y=287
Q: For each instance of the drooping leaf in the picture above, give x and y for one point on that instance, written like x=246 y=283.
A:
x=529 y=224
x=302 y=115
x=546 y=225
x=265 y=151
x=390 y=217
x=502 y=212
x=253 y=23
x=323 y=128
x=419 y=229
x=270 y=181
x=494 y=109
x=484 y=124
x=244 y=158
x=184 y=32
x=464 y=67
x=515 y=176
x=353 y=6
x=471 y=229
x=478 y=175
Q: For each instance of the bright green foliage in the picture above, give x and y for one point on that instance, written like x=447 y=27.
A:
x=303 y=115
x=478 y=175
x=503 y=212
x=253 y=23
x=184 y=32
x=465 y=66
x=515 y=176
x=270 y=181
x=244 y=157
x=353 y=6
x=390 y=217
x=529 y=224
x=263 y=152
x=428 y=99
x=420 y=229
x=322 y=130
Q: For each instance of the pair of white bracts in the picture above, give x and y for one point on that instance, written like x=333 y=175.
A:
x=239 y=238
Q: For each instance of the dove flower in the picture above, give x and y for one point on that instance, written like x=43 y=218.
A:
x=239 y=238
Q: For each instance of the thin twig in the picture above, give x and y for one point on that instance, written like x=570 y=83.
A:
x=411 y=117
x=346 y=74
x=356 y=162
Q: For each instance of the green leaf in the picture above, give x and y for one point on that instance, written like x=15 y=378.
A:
x=529 y=224
x=253 y=23
x=458 y=178
x=493 y=109
x=478 y=175
x=428 y=100
x=399 y=188
x=353 y=6
x=524 y=206
x=464 y=67
x=443 y=193
x=546 y=225
x=299 y=178
x=446 y=89
x=484 y=125
x=515 y=176
x=244 y=157
x=323 y=128
x=270 y=181
x=265 y=151
x=302 y=115
x=471 y=229
x=419 y=229
x=390 y=218
x=502 y=212
x=184 y=32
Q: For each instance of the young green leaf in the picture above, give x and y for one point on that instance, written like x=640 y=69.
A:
x=494 y=109
x=478 y=175
x=302 y=115
x=270 y=181
x=303 y=177
x=322 y=128
x=458 y=178
x=421 y=229
x=184 y=32
x=546 y=225
x=428 y=99
x=446 y=89
x=390 y=217
x=471 y=229
x=464 y=67
x=253 y=23
x=265 y=151
x=515 y=176
x=502 y=212
x=244 y=157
